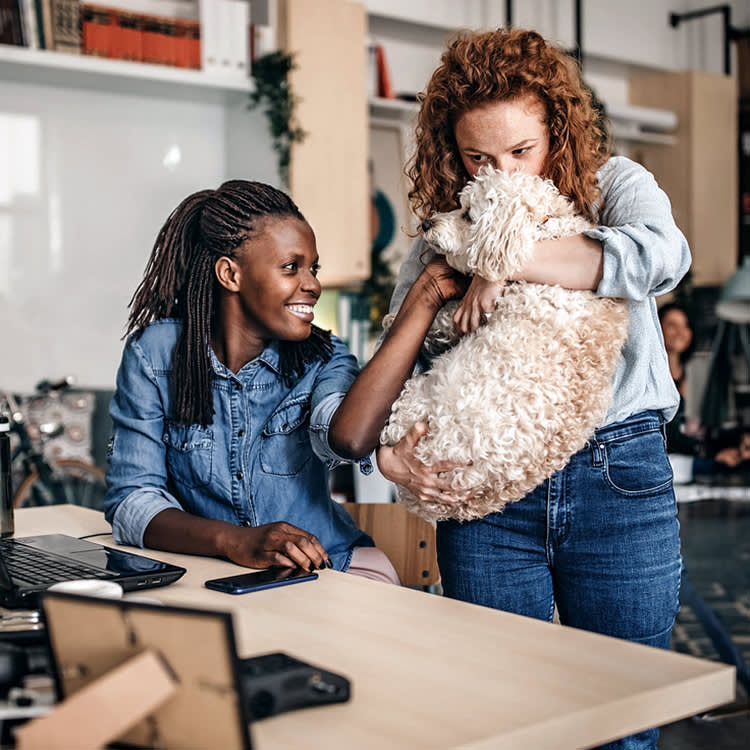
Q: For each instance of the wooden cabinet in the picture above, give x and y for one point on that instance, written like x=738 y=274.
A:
x=699 y=170
x=328 y=172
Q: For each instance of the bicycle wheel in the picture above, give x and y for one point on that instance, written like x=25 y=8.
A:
x=73 y=481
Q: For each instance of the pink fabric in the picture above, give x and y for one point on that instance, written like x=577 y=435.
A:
x=370 y=562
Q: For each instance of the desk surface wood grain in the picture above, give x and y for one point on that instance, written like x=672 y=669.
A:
x=431 y=673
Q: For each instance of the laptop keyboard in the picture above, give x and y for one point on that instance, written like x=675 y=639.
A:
x=40 y=568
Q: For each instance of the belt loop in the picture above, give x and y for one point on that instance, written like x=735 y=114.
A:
x=597 y=452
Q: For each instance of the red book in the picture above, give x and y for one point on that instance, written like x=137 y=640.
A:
x=151 y=26
x=96 y=24
x=385 y=88
x=129 y=26
x=169 y=41
x=193 y=30
x=181 y=44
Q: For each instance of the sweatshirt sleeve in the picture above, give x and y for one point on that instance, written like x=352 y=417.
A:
x=645 y=254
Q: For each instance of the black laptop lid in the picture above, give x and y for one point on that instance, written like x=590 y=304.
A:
x=130 y=570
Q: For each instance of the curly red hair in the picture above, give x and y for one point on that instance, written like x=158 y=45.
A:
x=503 y=65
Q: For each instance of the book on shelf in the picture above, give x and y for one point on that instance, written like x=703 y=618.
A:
x=225 y=37
x=11 y=25
x=29 y=24
x=129 y=32
x=122 y=34
x=66 y=26
x=385 y=87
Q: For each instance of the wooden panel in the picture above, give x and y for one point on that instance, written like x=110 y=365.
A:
x=698 y=172
x=714 y=198
x=328 y=174
x=409 y=541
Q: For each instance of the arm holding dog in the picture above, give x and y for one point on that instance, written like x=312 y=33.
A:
x=356 y=425
x=637 y=251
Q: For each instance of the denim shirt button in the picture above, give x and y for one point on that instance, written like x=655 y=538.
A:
x=238 y=386
x=240 y=433
x=285 y=428
x=240 y=475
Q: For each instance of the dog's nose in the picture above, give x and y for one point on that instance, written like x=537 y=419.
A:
x=427 y=224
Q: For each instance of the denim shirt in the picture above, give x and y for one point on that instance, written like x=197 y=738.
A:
x=264 y=458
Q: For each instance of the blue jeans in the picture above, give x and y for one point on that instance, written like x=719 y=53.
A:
x=599 y=539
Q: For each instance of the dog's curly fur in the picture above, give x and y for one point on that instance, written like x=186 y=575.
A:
x=513 y=401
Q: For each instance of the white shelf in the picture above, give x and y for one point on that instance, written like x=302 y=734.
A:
x=23 y=65
x=642 y=124
x=629 y=123
x=395 y=109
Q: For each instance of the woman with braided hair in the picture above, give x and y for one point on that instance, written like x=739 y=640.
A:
x=230 y=404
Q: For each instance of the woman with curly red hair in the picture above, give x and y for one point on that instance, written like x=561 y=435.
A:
x=597 y=541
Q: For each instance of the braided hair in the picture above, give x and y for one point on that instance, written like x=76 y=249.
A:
x=179 y=282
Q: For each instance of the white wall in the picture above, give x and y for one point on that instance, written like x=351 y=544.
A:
x=86 y=181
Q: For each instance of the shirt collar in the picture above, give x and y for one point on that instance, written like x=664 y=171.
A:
x=268 y=357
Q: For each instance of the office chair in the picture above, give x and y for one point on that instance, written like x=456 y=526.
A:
x=407 y=539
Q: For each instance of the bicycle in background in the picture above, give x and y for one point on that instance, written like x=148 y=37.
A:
x=45 y=480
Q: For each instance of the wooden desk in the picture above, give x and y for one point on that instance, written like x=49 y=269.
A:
x=428 y=672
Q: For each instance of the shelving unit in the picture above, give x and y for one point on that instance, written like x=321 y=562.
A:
x=630 y=123
x=392 y=108
x=699 y=172
x=23 y=65
x=642 y=124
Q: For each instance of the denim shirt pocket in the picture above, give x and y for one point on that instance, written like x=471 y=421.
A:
x=189 y=453
x=285 y=443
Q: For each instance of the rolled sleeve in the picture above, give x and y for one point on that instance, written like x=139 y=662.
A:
x=320 y=422
x=136 y=471
x=645 y=253
x=136 y=512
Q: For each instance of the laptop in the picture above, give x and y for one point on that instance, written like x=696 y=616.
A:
x=30 y=565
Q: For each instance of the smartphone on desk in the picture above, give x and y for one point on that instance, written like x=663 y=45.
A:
x=258 y=580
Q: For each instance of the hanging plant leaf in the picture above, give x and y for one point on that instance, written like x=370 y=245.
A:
x=273 y=92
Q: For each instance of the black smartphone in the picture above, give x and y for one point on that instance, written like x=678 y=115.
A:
x=261 y=579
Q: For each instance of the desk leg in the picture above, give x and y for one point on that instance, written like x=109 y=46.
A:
x=104 y=710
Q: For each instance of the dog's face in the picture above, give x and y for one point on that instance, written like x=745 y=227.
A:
x=497 y=209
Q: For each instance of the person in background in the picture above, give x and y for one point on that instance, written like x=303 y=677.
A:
x=685 y=440
x=599 y=540
x=221 y=439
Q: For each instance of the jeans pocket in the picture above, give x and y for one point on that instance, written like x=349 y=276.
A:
x=189 y=453
x=637 y=465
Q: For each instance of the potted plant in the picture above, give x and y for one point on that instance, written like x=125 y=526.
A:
x=274 y=93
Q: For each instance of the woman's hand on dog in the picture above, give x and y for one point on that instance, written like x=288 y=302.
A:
x=441 y=283
x=478 y=302
x=399 y=464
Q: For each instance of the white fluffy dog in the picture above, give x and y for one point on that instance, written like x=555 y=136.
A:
x=513 y=401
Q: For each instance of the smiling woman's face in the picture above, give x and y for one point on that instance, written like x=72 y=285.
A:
x=676 y=330
x=508 y=135
x=278 y=285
